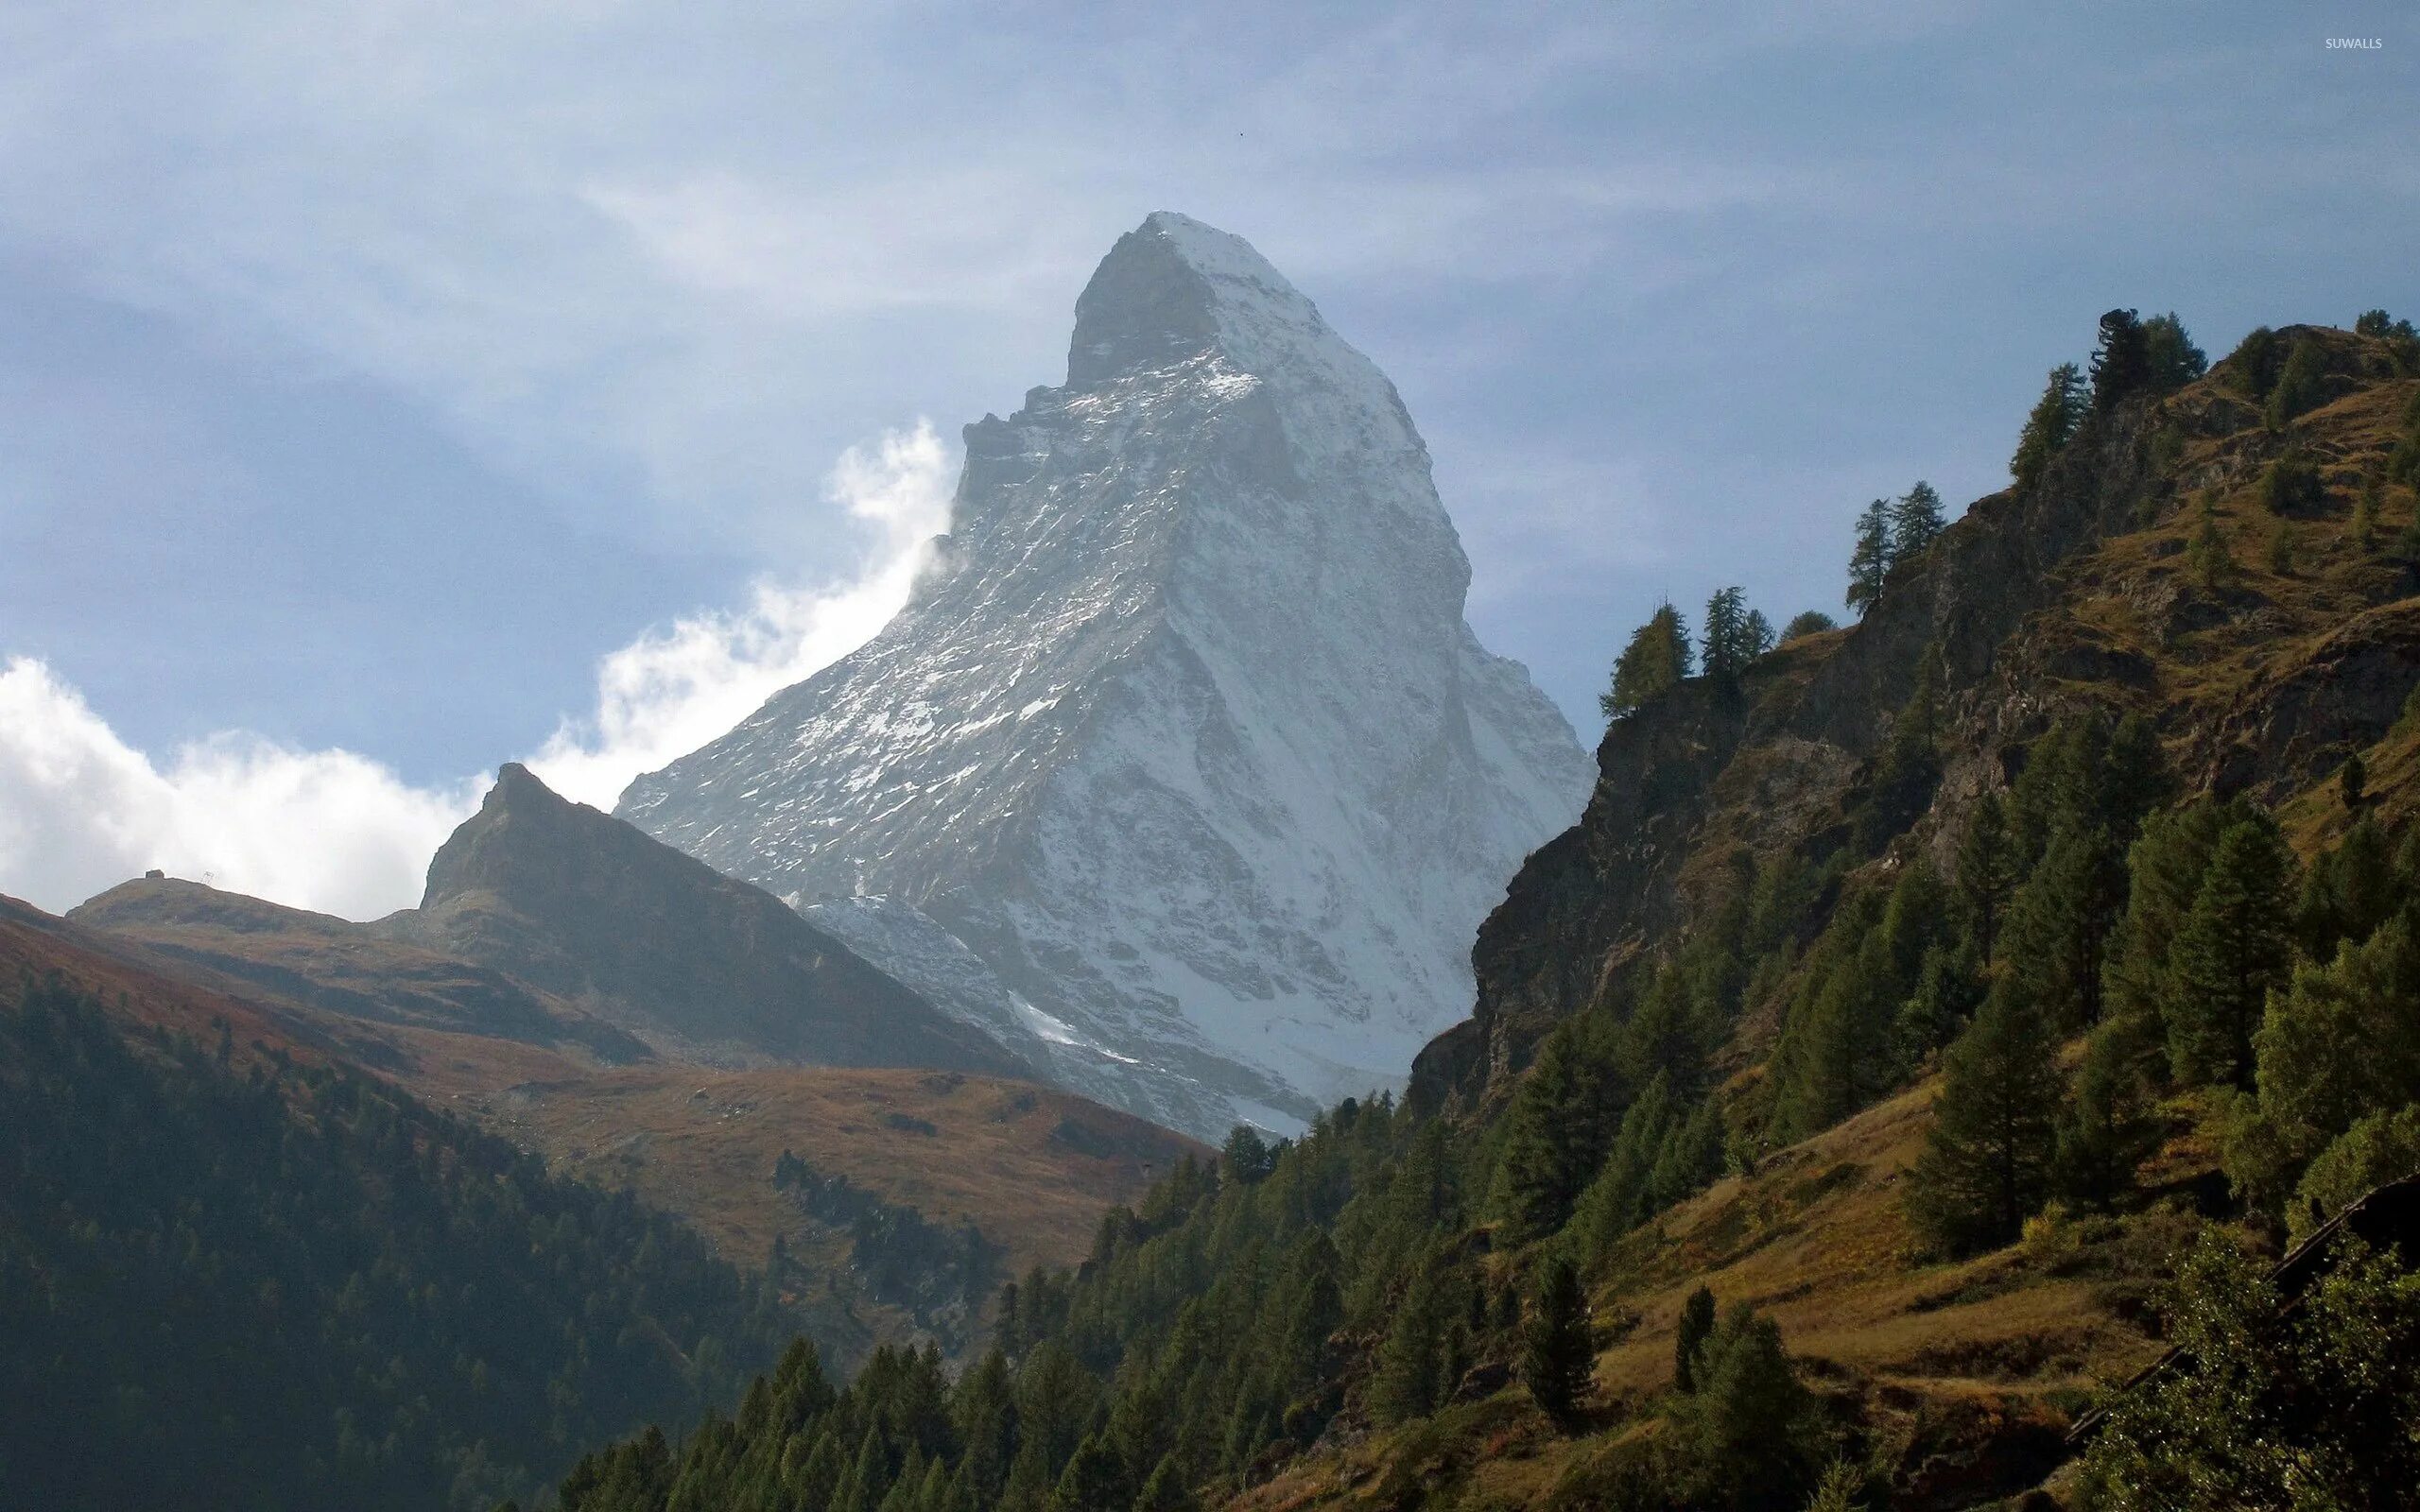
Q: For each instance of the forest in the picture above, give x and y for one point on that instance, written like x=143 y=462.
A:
x=229 y=1279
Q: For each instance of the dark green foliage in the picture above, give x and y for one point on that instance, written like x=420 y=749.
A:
x=2302 y=382
x=1557 y=1130
x=2263 y=1411
x=1808 y=622
x=942 y=1276
x=2121 y=361
x=2348 y=892
x=1656 y=659
x=2207 y=551
x=2257 y=361
x=1870 y=560
x=2375 y=323
x=2293 y=483
x=1246 y=1156
x=2104 y=1131
x=1905 y=772
x=1167 y=1491
x=1664 y=1152
x=1987 y=1162
x=1751 y=1436
x=2054 y=419
x=1916 y=521
x=2175 y=361
x=1557 y=1354
x=2086 y=772
x=2234 y=947
x=2164 y=870
x=1735 y=635
x=2279 y=558
x=2377 y=1149
x=1696 y=1325
x=2352 y=783
x=1093 y=1481
x=1987 y=872
x=2363 y=527
x=1842 y=1044
x=306 y=1290
x=1422 y=1357
x=2058 y=927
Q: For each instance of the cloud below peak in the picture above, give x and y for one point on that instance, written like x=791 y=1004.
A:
x=333 y=830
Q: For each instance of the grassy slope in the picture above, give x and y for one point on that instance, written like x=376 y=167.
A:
x=1968 y=1372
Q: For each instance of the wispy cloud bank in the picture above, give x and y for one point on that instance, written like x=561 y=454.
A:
x=81 y=810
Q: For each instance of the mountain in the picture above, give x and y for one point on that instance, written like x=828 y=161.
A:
x=1928 y=1027
x=547 y=922
x=1182 y=757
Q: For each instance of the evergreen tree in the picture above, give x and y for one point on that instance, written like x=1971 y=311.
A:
x=1728 y=643
x=1756 y=633
x=2121 y=362
x=2175 y=361
x=1808 y=622
x=1987 y=1159
x=1870 y=562
x=2164 y=871
x=1987 y=871
x=2364 y=529
x=1916 y=520
x=1246 y=1156
x=1695 y=1327
x=1414 y=1372
x=1557 y=1354
x=2234 y=947
x=2058 y=925
x=2105 y=1132
x=2353 y=783
x=1093 y=1481
x=2212 y=560
x=1167 y=1491
x=2256 y=362
x=1555 y=1132
x=2055 y=419
x=1656 y=659
x=1751 y=1432
x=2302 y=384
x=2349 y=892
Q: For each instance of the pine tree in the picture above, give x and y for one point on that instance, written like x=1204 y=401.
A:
x=1656 y=659
x=2213 y=562
x=1751 y=1434
x=1870 y=562
x=1555 y=1133
x=2175 y=361
x=2122 y=363
x=2280 y=554
x=2104 y=1133
x=2364 y=530
x=1557 y=1354
x=1987 y=1159
x=1987 y=871
x=1808 y=622
x=1688 y=1338
x=1411 y=1379
x=2234 y=947
x=2301 y=384
x=1093 y=1481
x=2058 y=925
x=1167 y=1491
x=1916 y=521
x=2352 y=783
x=1757 y=632
x=1726 y=645
x=2055 y=419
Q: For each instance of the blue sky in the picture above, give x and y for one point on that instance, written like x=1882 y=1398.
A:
x=369 y=372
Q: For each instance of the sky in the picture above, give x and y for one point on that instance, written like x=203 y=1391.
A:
x=392 y=389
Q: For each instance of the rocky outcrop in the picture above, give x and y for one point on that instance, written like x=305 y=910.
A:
x=2074 y=592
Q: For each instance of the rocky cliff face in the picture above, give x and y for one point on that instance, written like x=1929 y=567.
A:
x=2075 y=593
x=1184 y=760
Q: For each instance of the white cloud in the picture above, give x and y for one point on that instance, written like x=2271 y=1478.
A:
x=80 y=810
x=671 y=691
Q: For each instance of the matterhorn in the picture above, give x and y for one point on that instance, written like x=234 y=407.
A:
x=1181 y=773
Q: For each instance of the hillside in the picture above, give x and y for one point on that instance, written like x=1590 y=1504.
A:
x=232 y=1266
x=1967 y=999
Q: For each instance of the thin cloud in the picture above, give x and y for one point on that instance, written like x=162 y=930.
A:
x=333 y=831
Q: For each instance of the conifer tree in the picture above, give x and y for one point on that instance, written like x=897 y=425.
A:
x=1987 y=871
x=1656 y=659
x=1726 y=645
x=1750 y=1432
x=2104 y=1133
x=1757 y=632
x=2364 y=529
x=2233 y=947
x=2301 y=384
x=1987 y=1159
x=2175 y=361
x=1093 y=1480
x=1167 y=1491
x=2281 y=549
x=2349 y=892
x=1557 y=1354
x=1808 y=622
x=1555 y=1133
x=1412 y=1377
x=1688 y=1337
x=2121 y=362
x=1870 y=562
x=1916 y=520
x=2212 y=560
x=2055 y=419
x=2058 y=925
x=2353 y=783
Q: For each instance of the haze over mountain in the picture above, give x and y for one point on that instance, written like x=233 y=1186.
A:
x=1183 y=756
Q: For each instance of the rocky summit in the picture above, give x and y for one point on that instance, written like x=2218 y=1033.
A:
x=1181 y=771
